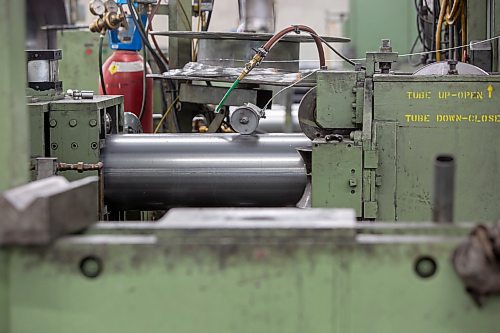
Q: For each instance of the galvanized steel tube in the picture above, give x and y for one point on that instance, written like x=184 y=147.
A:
x=154 y=172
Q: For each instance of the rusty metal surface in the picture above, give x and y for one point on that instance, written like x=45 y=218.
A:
x=79 y=167
x=40 y=211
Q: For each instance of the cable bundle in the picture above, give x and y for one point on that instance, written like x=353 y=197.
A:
x=449 y=17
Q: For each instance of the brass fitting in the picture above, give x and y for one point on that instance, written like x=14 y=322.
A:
x=98 y=26
x=114 y=20
x=110 y=21
x=254 y=62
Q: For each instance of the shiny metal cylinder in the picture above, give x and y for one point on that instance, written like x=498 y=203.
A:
x=43 y=71
x=257 y=15
x=276 y=121
x=155 y=172
x=444 y=189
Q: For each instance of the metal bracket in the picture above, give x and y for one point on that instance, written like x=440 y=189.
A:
x=39 y=212
x=219 y=118
x=370 y=159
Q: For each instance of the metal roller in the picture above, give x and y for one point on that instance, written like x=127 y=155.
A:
x=155 y=172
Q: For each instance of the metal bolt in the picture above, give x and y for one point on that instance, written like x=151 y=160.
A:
x=93 y=123
x=73 y=122
x=93 y=145
x=74 y=145
x=334 y=137
x=53 y=123
x=452 y=67
x=244 y=120
x=54 y=146
x=386 y=46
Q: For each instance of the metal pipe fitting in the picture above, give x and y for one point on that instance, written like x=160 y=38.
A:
x=444 y=189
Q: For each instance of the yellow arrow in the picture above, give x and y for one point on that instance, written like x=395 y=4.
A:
x=490 y=91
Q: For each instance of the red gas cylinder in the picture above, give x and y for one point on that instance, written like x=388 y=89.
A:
x=123 y=75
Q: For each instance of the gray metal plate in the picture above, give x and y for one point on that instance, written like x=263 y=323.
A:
x=245 y=36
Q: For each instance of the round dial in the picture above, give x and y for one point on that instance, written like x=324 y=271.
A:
x=97 y=7
x=111 y=6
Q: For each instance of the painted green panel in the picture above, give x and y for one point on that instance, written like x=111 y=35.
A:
x=337 y=176
x=371 y=21
x=79 y=67
x=335 y=98
x=246 y=282
x=4 y=293
x=386 y=194
x=167 y=289
x=14 y=139
x=384 y=284
x=477 y=180
x=37 y=112
x=434 y=116
x=77 y=129
x=438 y=104
x=72 y=143
x=477 y=20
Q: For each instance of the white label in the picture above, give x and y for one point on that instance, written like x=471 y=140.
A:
x=126 y=67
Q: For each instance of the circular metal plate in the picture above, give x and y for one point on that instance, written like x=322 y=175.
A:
x=442 y=68
x=307 y=116
x=304 y=38
x=97 y=7
x=244 y=120
x=131 y=123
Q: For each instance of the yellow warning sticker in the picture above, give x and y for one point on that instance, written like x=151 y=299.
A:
x=113 y=68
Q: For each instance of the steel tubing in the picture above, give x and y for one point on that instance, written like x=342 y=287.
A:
x=155 y=172
x=444 y=189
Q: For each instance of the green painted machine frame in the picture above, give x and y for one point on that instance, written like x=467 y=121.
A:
x=74 y=130
x=398 y=124
x=14 y=139
x=311 y=272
